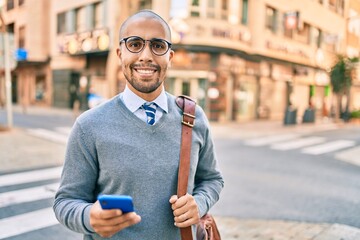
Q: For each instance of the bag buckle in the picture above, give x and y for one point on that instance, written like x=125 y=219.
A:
x=188 y=123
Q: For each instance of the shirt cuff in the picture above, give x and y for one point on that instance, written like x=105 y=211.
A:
x=86 y=219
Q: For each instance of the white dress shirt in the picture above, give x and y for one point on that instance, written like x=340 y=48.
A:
x=134 y=103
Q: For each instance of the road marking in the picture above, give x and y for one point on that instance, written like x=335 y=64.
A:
x=27 y=222
x=351 y=155
x=328 y=147
x=27 y=195
x=270 y=139
x=298 y=143
x=30 y=176
x=64 y=130
x=48 y=135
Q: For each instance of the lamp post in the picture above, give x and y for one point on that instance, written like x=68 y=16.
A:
x=6 y=48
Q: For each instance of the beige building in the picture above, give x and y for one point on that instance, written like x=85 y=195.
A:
x=353 y=49
x=31 y=79
x=241 y=59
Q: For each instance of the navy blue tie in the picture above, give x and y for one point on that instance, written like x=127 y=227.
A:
x=150 y=110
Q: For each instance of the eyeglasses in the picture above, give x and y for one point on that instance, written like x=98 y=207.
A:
x=136 y=44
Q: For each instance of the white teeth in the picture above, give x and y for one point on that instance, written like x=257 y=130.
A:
x=145 y=71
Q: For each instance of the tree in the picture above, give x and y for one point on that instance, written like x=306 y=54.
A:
x=341 y=76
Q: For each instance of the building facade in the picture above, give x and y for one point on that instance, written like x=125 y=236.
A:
x=29 y=26
x=353 y=49
x=241 y=59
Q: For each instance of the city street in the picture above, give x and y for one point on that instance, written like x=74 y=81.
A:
x=275 y=176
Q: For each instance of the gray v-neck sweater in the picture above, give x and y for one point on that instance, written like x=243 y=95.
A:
x=111 y=151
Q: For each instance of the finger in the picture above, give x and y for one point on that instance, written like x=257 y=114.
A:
x=182 y=217
x=180 y=202
x=173 y=199
x=110 y=227
x=109 y=214
x=186 y=223
x=132 y=217
x=99 y=213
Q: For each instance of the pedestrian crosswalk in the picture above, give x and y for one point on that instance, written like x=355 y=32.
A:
x=19 y=191
x=57 y=135
x=311 y=145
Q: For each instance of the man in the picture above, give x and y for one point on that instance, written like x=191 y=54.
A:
x=125 y=147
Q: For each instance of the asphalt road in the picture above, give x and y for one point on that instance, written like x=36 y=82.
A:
x=263 y=183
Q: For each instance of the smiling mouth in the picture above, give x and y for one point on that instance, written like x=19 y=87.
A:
x=145 y=71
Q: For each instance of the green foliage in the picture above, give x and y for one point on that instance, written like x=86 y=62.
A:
x=355 y=114
x=341 y=74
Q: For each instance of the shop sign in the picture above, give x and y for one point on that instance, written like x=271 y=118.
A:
x=292 y=20
x=79 y=43
x=286 y=49
x=232 y=34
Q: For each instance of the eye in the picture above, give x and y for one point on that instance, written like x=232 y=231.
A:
x=135 y=43
x=158 y=45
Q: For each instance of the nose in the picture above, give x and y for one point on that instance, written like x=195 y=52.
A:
x=146 y=54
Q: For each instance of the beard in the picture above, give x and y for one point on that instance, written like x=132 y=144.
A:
x=144 y=85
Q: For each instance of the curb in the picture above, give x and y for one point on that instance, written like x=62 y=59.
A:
x=244 y=229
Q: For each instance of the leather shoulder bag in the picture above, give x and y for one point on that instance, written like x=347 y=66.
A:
x=206 y=229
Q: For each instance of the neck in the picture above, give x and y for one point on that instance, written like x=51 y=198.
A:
x=149 y=97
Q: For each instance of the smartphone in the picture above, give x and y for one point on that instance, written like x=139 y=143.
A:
x=122 y=202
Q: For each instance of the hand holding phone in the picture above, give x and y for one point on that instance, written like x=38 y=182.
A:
x=122 y=202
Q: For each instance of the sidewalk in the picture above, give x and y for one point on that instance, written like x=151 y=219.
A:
x=20 y=151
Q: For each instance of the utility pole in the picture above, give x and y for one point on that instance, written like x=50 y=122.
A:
x=7 y=72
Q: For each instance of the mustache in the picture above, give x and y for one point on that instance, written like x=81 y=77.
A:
x=136 y=65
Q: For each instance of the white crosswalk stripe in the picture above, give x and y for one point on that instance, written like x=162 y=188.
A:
x=297 y=143
x=30 y=176
x=27 y=222
x=308 y=145
x=328 y=147
x=60 y=135
x=27 y=195
x=32 y=220
x=270 y=139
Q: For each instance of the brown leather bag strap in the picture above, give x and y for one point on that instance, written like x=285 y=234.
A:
x=188 y=106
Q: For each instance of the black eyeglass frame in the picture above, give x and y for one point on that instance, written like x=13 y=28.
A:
x=144 y=41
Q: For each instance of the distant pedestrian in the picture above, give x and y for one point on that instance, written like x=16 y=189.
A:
x=130 y=145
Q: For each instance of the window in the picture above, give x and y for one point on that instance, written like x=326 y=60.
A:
x=145 y=4
x=61 y=23
x=9 y=4
x=80 y=19
x=319 y=38
x=22 y=37
x=340 y=7
x=195 y=8
x=303 y=34
x=10 y=28
x=244 y=12
x=211 y=9
x=271 y=16
x=224 y=9
x=99 y=15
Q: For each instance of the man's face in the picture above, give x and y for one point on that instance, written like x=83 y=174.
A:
x=145 y=71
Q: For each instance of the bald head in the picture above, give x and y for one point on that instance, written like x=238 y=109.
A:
x=145 y=14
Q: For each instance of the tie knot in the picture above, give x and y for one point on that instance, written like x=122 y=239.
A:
x=150 y=110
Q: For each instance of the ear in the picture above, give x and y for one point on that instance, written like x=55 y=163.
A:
x=118 y=52
x=171 y=55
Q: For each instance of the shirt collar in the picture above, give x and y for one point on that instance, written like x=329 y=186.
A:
x=133 y=102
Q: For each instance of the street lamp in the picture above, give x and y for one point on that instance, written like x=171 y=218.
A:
x=6 y=47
